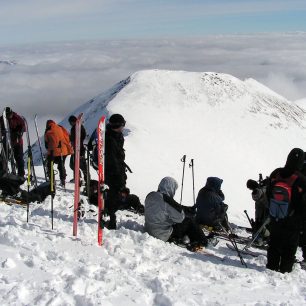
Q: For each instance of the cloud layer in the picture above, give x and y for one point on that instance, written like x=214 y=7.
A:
x=54 y=79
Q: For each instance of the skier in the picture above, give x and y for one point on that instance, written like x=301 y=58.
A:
x=129 y=201
x=210 y=209
x=17 y=128
x=115 y=166
x=285 y=193
x=261 y=208
x=58 y=145
x=72 y=120
x=165 y=218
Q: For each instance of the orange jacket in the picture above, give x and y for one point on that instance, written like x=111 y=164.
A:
x=57 y=140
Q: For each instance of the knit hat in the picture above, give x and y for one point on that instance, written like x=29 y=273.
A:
x=116 y=121
x=72 y=119
x=252 y=185
x=295 y=160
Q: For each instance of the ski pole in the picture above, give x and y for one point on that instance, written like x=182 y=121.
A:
x=29 y=182
x=191 y=165
x=183 y=160
x=250 y=221
x=234 y=243
x=88 y=173
x=267 y=221
x=52 y=190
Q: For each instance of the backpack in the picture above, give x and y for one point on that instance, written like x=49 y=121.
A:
x=38 y=194
x=281 y=195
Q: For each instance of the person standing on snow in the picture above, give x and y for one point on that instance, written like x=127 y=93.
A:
x=58 y=146
x=72 y=120
x=165 y=218
x=210 y=209
x=286 y=218
x=17 y=128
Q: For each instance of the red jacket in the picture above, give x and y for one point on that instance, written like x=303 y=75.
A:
x=17 y=128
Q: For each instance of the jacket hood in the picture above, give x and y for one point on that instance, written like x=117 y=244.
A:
x=295 y=160
x=49 y=124
x=168 y=186
x=214 y=183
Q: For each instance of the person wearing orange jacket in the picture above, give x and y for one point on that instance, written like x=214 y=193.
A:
x=59 y=147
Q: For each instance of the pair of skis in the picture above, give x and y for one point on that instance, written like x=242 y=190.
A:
x=101 y=185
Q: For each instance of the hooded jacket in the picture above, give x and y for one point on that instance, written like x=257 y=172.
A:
x=209 y=203
x=56 y=140
x=160 y=216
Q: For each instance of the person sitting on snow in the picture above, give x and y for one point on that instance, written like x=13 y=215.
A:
x=165 y=218
x=129 y=201
x=210 y=209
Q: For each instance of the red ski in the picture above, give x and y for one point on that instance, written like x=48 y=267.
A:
x=77 y=172
x=101 y=151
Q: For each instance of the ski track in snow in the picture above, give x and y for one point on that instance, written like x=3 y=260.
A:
x=39 y=266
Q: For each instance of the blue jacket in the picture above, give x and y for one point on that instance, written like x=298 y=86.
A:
x=209 y=203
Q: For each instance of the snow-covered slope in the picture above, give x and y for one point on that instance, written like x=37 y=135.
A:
x=231 y=128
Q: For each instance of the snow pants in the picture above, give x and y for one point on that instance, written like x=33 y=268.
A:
x=284 y=240
x=18 y=156
x=190 y=228
x=83 y=166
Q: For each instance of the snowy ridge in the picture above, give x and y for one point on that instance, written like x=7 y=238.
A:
x=230 y=127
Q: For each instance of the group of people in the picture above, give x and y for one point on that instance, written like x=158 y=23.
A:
x=280 y=198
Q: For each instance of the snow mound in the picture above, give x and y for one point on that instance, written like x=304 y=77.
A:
x=233 y=129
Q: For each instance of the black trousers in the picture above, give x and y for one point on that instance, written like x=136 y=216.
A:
x=190 y=228
x=60 y=161
x=302 y=243
x=83 y=166
x=284 y=240
x=18 y=156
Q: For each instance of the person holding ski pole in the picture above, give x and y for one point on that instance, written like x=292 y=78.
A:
x=210 y=208
x=16 y=128
x=165 y=219
x=72 y=120
x=286 y=195
x=58 y=147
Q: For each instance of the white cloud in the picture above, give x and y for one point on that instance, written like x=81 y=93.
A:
x=54 y=79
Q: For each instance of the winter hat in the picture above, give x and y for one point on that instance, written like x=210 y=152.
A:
x=252 y=185
x=116 y=121
x=72 y=119
x=125 y=190
x=295 y=160
x=214 y=183
x=8 y=111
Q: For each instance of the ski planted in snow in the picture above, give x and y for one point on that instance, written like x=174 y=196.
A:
x=9 y=149
x=77 y=140
x=40 y=148
x=101 y=185
x=244 y=251
x=30 y=155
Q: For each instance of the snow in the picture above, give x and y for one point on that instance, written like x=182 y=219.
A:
x=232 y=128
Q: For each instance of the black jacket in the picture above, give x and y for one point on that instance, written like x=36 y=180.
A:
x=114 y=158
x=83 y=136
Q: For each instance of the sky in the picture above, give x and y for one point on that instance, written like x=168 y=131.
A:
x=65 y=52
x=29 y=21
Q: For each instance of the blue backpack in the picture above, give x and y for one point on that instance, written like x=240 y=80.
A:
x=281 y=194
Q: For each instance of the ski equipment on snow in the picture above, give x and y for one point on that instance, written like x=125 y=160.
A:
x=77 y=127
x=101 y=185
x=183 y=160
x=40 y=148
x=191 y=165
x=30 y=155
x=9 y=148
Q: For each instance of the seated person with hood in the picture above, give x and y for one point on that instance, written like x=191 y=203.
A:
x=165 y=218
x=211 y=210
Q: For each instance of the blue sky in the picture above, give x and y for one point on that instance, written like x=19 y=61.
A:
x=29 y=21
